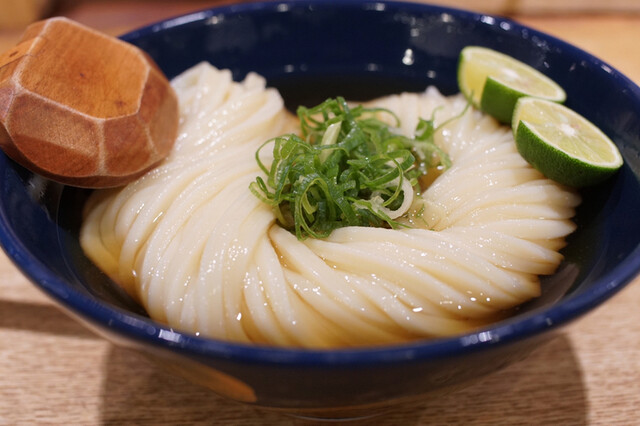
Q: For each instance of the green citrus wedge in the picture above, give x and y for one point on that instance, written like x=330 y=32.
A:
x=493 y=82
x=562 y=144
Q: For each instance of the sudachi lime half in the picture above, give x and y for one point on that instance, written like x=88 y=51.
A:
x=494 y=82
x=562 y=144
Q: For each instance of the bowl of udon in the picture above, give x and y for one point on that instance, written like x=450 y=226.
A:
x=193 y=266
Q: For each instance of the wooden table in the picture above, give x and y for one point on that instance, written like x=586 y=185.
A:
x=52 y=370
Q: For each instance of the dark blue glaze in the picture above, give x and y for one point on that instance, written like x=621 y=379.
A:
x=311 y=50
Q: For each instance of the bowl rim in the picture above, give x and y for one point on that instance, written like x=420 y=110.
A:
x=100 y=314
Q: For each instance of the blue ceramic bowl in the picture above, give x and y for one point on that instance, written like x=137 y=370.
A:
x=359 y=49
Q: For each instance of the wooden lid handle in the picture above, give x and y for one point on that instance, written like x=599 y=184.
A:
x=84 y=108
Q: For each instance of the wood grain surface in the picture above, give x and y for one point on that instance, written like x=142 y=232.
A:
x=54 y=371
x=78 y=116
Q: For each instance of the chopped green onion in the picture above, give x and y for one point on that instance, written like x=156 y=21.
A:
x=348 y=168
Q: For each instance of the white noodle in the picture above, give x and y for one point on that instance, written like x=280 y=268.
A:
x=200 y=252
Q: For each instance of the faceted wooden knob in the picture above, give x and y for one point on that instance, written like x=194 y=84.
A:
x=84 y=108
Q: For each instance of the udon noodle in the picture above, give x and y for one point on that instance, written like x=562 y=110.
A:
x=201 y=253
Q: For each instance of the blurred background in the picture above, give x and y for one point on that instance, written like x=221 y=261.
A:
x=585 y=22
x=15 y=14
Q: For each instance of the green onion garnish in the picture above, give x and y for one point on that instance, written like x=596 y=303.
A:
x=349 y=168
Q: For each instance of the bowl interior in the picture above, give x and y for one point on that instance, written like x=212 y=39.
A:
x=313 y=50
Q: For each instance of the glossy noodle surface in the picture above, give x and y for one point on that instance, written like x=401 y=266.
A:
x=201 y=253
